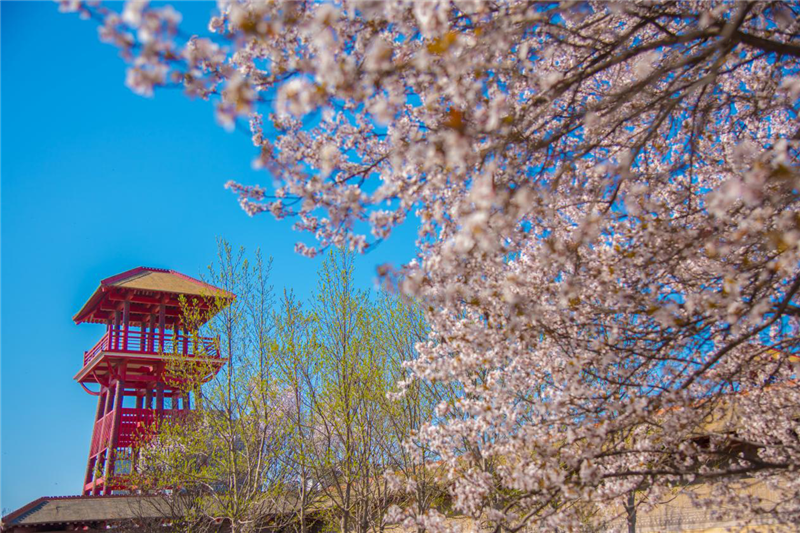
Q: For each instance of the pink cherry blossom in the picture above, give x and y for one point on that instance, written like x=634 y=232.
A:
x=609 y=239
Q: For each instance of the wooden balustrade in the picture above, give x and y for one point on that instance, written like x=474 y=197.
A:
x=155 y=343
x=101 y=433
x=135 y=424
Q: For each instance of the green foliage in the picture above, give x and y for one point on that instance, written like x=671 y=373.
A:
x=300 y=425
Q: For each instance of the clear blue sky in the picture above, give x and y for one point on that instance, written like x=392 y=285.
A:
x=96 y=180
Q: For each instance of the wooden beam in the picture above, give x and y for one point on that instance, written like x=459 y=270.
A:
x=195 y=301
x=98 y=316
x=141 y=378
x=140 y=309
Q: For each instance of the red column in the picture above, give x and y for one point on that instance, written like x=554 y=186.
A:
x=162 y=318
x=89 y=477
x=109 y=402
x=112 y=442
x=160 y=396
x=151 y=339
x=110 y=333
x=102 y=457
x=115 y=344
x=126 y=319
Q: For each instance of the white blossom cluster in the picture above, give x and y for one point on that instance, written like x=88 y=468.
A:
x=609 y=235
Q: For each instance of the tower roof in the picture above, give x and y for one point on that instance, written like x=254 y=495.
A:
x=147 y=288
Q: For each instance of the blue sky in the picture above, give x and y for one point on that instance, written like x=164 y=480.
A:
x=95 y=180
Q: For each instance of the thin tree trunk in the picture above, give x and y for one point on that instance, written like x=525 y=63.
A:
x=630 y=510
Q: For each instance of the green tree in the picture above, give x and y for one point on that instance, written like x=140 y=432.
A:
x=297 y=365
x=225 y=462
x=304 y=422
x=346 y=426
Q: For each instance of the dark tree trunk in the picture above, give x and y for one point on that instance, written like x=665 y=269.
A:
x=630 y=510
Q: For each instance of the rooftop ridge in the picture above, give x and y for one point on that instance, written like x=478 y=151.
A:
x=133 y=271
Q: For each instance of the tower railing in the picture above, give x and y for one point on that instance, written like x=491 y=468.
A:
x=135 y=424
x=154 y=343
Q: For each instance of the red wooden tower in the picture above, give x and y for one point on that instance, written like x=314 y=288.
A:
x=145 y=331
